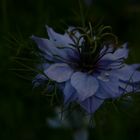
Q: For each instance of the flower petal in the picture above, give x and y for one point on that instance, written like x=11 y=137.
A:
x=59 y=72
x=91 y=104
x=122 y=52
x=107 y=49
x=135 y=66
x=46 y=46
x=108 y=89
x=53 y=53
x=64 y=40
x=113 y=60
x=128 y=73
x=69 y=93
x=129 y=87
x=59 y=38
x=86 y=85
x=76 y=34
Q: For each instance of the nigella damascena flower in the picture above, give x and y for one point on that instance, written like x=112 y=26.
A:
x=87 y=71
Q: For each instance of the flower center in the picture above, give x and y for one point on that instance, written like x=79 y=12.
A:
x=89 y=43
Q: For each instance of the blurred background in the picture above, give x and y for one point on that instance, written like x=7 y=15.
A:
x=23 y=111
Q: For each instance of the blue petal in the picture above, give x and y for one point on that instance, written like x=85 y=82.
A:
x=128 y=73
x=129 y=87
x=46 y=46
x=58 y=38
x=59 y=72
x=86 y=85
x=65 y=39
x=120 y=53
x=53 y=53
x=106 y=50
x=91 y=104
x=135 y=66
x=108 y=89
x=135 y=77
x=76 y=34
x=69 y=93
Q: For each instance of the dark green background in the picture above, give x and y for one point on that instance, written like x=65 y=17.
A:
x=23 y=111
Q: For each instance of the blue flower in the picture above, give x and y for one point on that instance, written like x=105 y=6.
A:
x=86 y=72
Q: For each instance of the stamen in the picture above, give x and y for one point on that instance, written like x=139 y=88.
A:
x=103 y=28
x=110 y=34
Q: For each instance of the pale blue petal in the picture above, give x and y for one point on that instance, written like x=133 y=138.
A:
x=75 y=36
x=86 y=85
x=53 y=53
x=108 y=89
x=122 y=52
x=59 y=38
x=91 y=104
x=135 y=66
x=127 y=73
x=76 y=33
x=46 y=46
x=129 y=87
x=135 y=77
x=63 y=40
x=126 y=88
x=70 y=93
x=59 y=72
x=103 y=50
x=104 y=64
x=106 y=50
